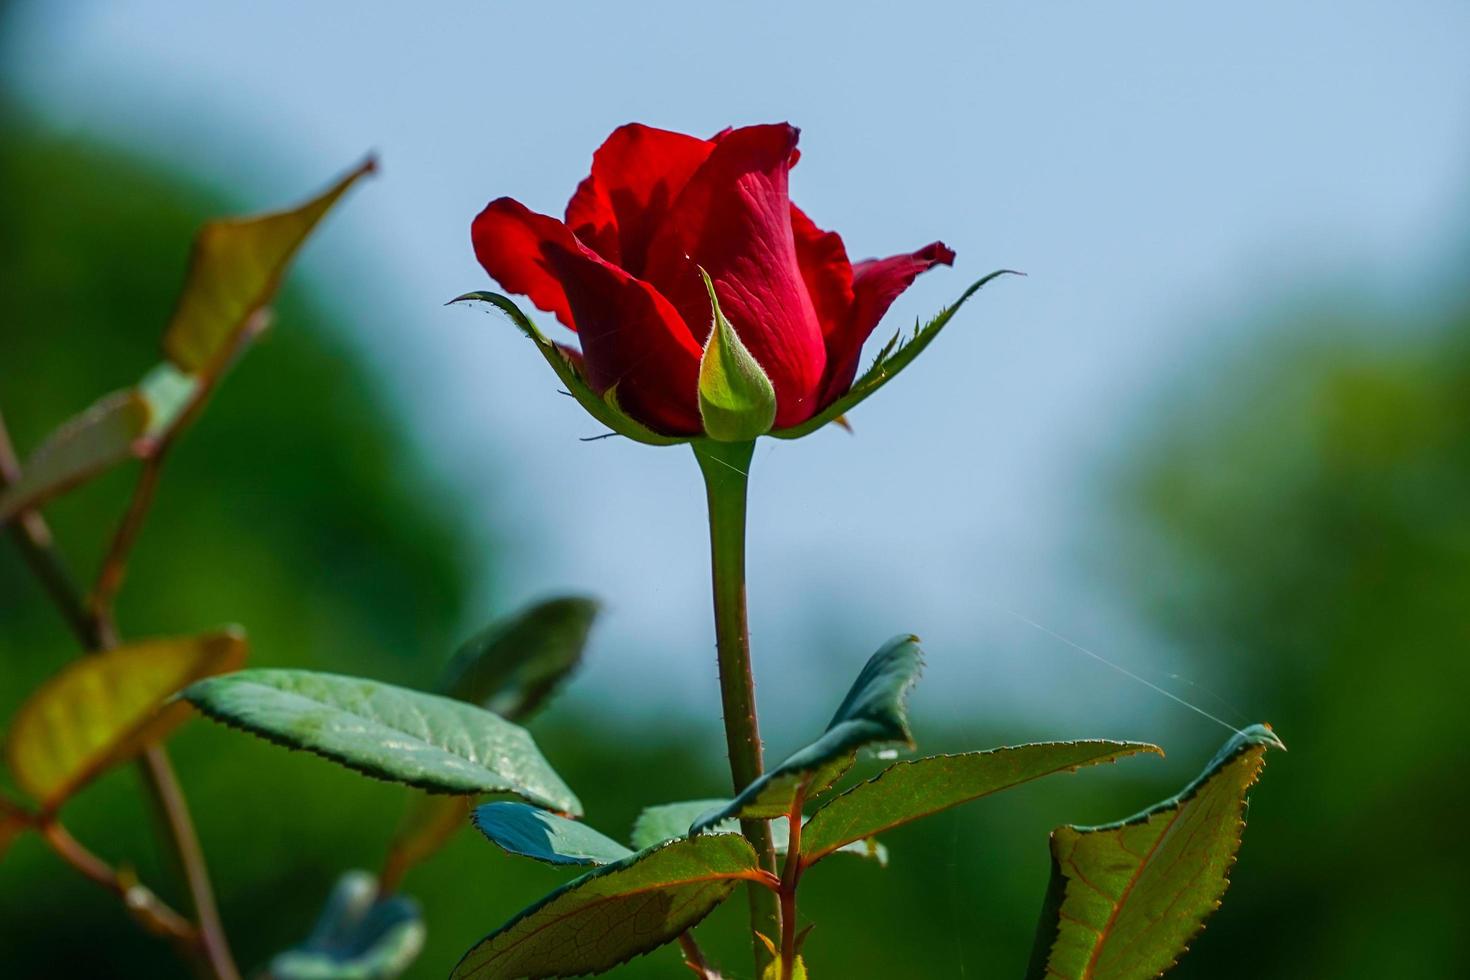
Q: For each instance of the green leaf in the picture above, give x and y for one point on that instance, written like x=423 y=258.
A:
x=534 y=833
x=234 y=270
x=616 y=912
x=736 y=399
x=106 y=434
x=104 y=708
x=423 y=740
x=670 y=821
x=893 y=358
x=603 y=409
x=873 y=713
x=513 y=666
x=510 y=668
x=907 y=791
x=359 y=936
x=1126 y=898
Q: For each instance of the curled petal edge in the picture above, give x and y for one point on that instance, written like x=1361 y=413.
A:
x=893 y=358
x=603 y=409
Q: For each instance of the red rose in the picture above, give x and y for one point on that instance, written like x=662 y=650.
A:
x=623 y=270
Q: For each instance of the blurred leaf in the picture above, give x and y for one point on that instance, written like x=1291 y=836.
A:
x=616 y=912
x=234 y=270
x=358 y=937
x=512 y=666
x=893 y=358
x=564 y=363
x=907 y=791
x=104 y=708
x=670 y=821
x=169 y=393
x=736 y=400
x=424 y=740
x=873 y=713
x=101 y=437
x=1126 y=898
x=534 y=833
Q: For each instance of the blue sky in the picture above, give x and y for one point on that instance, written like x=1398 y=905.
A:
x=1163 y=172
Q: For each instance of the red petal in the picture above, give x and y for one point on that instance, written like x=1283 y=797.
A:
x=734 y=219
x=876 y=283
x=825 y=268
x=636 y=175
x=507 y=237
x=631 y=336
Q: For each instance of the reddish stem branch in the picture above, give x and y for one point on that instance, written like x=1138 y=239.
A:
x=115 y=565
x=96 y=631
x=694 y=958
x=790 y=879
x=145 y=906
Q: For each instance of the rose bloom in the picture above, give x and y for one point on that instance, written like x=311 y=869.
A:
x=623 y=271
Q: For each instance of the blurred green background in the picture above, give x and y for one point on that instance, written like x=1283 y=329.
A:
x=1308 y=523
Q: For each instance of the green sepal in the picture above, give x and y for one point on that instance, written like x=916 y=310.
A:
x=604 y=410
x=1126 y=898
x=736 y=399
x=893 y=358
x=873 y=713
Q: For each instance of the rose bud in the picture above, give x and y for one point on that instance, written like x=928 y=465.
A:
x=707 y=304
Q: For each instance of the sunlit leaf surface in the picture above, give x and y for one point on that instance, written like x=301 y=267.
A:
x=614 y=913
x=906 y=791
x=424 y=740
x=1125 y=899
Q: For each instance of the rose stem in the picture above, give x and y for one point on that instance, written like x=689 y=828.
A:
x=726 y=468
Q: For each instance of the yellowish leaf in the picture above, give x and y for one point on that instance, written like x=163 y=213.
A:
x=105 y=708
x=234 y=270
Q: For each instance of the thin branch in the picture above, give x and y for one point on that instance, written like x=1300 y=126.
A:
x=790 y=878
x=142 y=903
x=694 y=958
x=96 y=632
x=37 y=547
x=114 y=566
x=168 y=796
